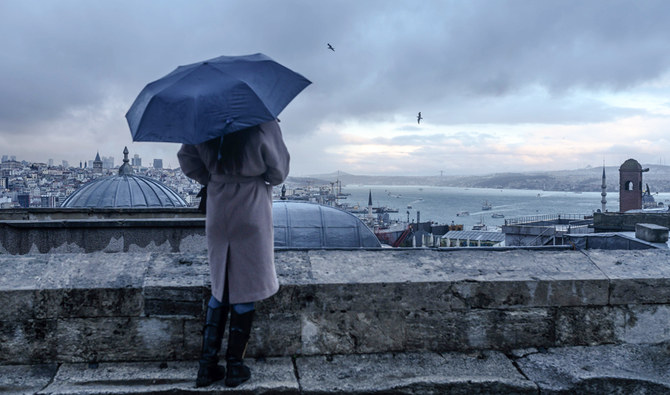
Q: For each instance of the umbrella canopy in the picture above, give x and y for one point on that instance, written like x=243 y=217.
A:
x=204 y=100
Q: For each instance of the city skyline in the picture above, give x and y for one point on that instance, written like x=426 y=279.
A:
x=501 y=86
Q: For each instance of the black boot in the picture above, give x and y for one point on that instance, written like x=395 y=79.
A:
x=210 y=371
x=240 y=328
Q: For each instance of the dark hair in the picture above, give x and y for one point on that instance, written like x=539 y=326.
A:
x=231 y=150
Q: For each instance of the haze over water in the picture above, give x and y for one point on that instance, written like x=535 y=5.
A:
x=440 y=204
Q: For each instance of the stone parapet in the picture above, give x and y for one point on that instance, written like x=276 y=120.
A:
x=625 y=222
x=133 y=307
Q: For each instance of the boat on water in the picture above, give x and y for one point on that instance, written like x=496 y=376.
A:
x=462 y=213
x=479 y=226
x=486 y=205
x=384 y=209
x=497 y=215
x=409 y=206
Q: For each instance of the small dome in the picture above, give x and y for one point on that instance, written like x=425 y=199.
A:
x=309 y=225
x=124 y=190
x=631 y=165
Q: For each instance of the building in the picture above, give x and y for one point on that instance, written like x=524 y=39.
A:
x=136 y=161
x=97 y=164
x=49 y=201
x=472 y=238
x=630 y=185
x=544 y=230
x=158 y=163
x=107 y=162
x=23 y=199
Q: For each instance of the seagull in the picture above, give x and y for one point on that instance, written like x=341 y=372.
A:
x=331 y=47
x=419 y=118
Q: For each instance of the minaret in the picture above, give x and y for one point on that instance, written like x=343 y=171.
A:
x=370 y=204
x=603 y=201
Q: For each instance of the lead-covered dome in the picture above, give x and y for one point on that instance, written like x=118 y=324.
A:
x=124 y=190
x=310 y=225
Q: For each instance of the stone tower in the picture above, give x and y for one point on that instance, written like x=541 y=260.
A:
x=630 y=185
x=97 y=164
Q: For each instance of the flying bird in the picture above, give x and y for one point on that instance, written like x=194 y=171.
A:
x=419 y=118
x=331 y=47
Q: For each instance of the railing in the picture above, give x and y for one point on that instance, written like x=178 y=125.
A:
x=535 y=219
x=534 y=241
x=578 y=229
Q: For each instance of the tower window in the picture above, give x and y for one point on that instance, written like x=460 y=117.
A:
x=629 y=185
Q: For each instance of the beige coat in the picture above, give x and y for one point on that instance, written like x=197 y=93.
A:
x=240 y=237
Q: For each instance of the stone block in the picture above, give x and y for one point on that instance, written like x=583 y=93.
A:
x=412 y=373
x=95 y=271
x=405 y=296
x=607 y=369
x=645 y=324
x=369 y=266
x=119 y=339
x=293 y=267
x=192 y=342
x=275 y=334
x=534 y=293
x=352 y=332
x=272 y=375
x=175 y=285
x=17 y=305
x=636 y=277
x=21 y=272
x=651 y=232
x=436 y=330
x=291 y=298
x=581 y=326
x=101 y=302
x=28 y=341
x=480 y=329
x=25 y=379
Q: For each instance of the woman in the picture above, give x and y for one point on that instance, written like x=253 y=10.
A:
x=239 y=171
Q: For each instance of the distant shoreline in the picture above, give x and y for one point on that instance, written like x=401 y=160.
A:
x=580 y=180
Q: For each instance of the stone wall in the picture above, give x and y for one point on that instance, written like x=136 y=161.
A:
x=166 y=235
x=625 y=222
x=150 y=306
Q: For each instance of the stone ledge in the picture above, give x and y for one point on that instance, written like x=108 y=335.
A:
x=149 y=306
x=586 y=370
x=651 y=232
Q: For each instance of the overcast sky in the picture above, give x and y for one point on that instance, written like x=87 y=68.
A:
x=502 y=85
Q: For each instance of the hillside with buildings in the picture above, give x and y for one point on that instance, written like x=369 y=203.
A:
x=580 y=180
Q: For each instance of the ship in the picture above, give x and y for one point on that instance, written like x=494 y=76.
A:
x=462 y=214
x=486 y=205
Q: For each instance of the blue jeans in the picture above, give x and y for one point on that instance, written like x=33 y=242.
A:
x=240 y=308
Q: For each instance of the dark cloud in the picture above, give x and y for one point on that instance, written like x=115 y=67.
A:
x=457 y=62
